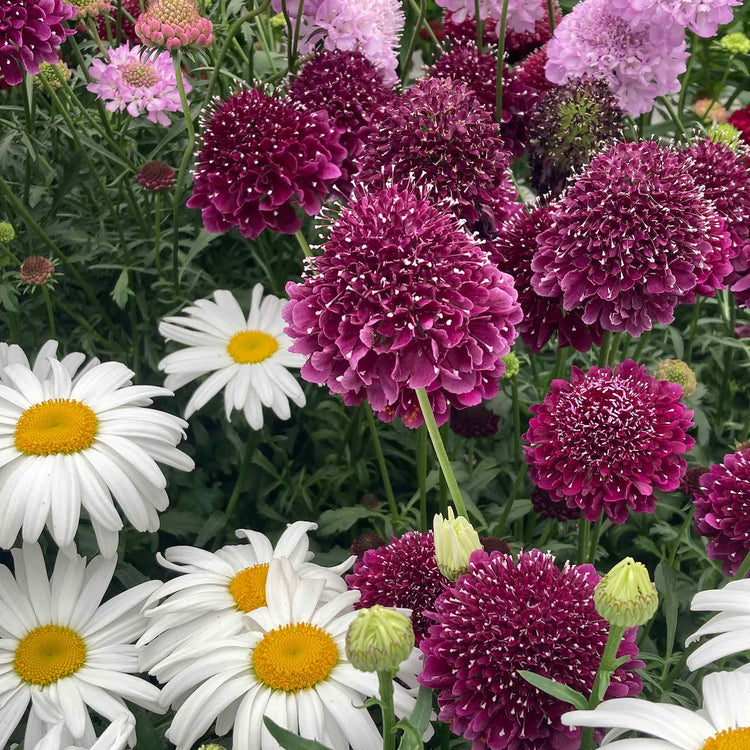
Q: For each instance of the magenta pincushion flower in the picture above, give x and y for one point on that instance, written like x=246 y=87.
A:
x=513 y=250
x=261 y=156
x=156 y=176
x=504 y=616
x=351 y=90
x=522 y=14
x=403 y=573
x=30 y=33
x=605 y=440
x=703 y=17
x=722 y=510
x=174 y=24
x=636 y=58
x=436 y=134
x=126 y=82
x=631 y=238
x=402 y=298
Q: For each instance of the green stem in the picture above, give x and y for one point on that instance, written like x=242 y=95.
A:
x=413 y=40
x=614 y=347
x=604 y=348
x=743 y=570
x=583 y=540
x=500 y=61
x=551 y=13
x=693 y=327
x=426 y=26
x=289 y=36
x=385 y=682
x=239 y=484
x=641 y=345
x=422 y=475
x=596 y=533
x=677 y=542
x=686 y=79
x=440 y=452
x=304 y=246
x=480 y=25
x=393 y=507
x=720 y=87
x=50 y=311
x=511 y=499
x=675 y=117
x=516 y=419
x=157 y=231
x=297 y=26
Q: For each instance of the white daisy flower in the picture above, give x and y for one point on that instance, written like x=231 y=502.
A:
x=215 y=589
x=66 y=443
x=722 y=724
x=291 y=667
x=248 y=357
x=12 y=354
x=115 y=737
x=64 y=651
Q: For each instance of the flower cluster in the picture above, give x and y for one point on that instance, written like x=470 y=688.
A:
x=703 y=17
x=522 y=15
x=173 y=24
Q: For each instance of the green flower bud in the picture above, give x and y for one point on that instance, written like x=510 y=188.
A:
x=677 y=371
x=726 y=134
x=455 y=540
x=736 y=43
x=379 y=639
x=278 y=21
x=211 y=747
x=53 y=73
x=626 y=597
x=512 y=366
x=7 y=233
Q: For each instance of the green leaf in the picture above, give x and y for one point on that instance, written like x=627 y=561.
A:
x=288 y=740
x=122 y=289
x=341 y=519
x=214 y=524
x=666 y=584
x=556 y=689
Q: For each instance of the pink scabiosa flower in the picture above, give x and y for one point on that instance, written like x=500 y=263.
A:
x=402 y=298
x=605 y=440
x=513 y=250
x=260 y=157
x=637 y=60
x=722 y=510
x=126 y=82
x=156 y=176
x=352 y=91
x=437 y=134
x=107 y=27
x=30 y=33
x=504 y=616
x=404 y=574
x=631 y=238
x=173 y=24
x=703 y=17
x=522 y=14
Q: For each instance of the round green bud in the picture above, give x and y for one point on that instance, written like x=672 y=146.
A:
x=455 y=541
x=626 y=597
x=736 y=43
x=7 y=233
x=512 y=366
x=726 y=134
x=278 y=21
x=677 y=371
x=53 y=74
x=379 y=639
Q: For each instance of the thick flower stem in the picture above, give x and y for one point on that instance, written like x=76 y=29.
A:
x=50 y=311
x=304 y=246
x=500 y=61
x=440 y=452
x=480 y=25
x=583 y=540
x=516 y=419
x=422 y=475
x=595 y=534
x=157 y=232
x=604 y=348
x=385 y=681
x=551 y=13
x=392 y=506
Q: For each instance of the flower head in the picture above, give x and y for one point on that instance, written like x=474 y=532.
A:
x=735 y=43
x=174 y=24
x=512 y=366
x=634 y=57
x=126 y=82
x=7 y=233
x=605 y=440
x=455 y=540
x=156 y=176
x=703 y=17
x=36 y=270
x=107 y=27
x=522 y=15
x=677 y=371
x=626 y=596
x=707 y=109
x=437 y=134
x=368 y=540
x=721 y=510
x=504 y=616
x=630 y=239
x=53 y=74
x=475 y=421
x=690 y=485
x=402 y=298
x=401 y=574
x=379 y=639
x=30 y=33
x=91 y=8
x=726 y=134
x=262 y=156
x=248 y=356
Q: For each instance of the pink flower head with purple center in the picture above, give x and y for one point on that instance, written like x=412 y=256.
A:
x=126 y=82
x=402 y=298
x=522 y=15
x=504 y=616
x=605 y=440
x=261 y=156
x=630 y=239
x=30 y=33
x=722 y=510
x=703 y=17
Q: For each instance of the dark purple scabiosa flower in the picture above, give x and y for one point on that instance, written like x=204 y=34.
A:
x=156 y=176
x=351 y=90
x=368 y=540
x=513 y=250
x=30 y=33
x=631 y=238
x=604 y=441
x=494 y=544
x=723 y=173
x=260 y=157
x=437 y=133
x=566 y=129
x=474 y=421
x=722 y=510
x=403 y=573
x=402 y=298
x=690 y=484
x=504 y=616
x=546 y=507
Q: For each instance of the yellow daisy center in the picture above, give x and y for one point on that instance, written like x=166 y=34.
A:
x=49 y=653
x=248 y=588
x=60 y=425
x=294 y=657
x=251 y=347
x=729 y=739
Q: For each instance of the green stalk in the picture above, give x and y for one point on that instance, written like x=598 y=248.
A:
x=247 y=459
x=596 y=533
x=604 y=348
x=583 y=540
x=511 y=499
x=684 y=528
x=516 y=419
x=413 y=40
x=743 y=570
x=500 y=61
x=720 y=87
x=385 y=682
x=304 y=246
x=693 y=327
x=157 y=231
x=480 y=25
x=50 y=311
x=392 y=506
x=675 y=117
x=551 y=13
x=422 y=475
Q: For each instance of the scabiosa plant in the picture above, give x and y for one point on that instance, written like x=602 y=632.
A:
x=352 y=91
x=36 y=270
x=91 y=8
x=631 y=238
x=605 y=440
x=402 y=298
x=740 y=119
x=437 y=134
x=174 y=24
x=261 y=156
x=107 y=27
x=522 y=15
x=403 y=573
x=128 y=82
x=504 y=616
x=638 y=64
x=156 y=176
x=567 y=127
x=722 y=508
x=30 y=33
x=703 y=17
